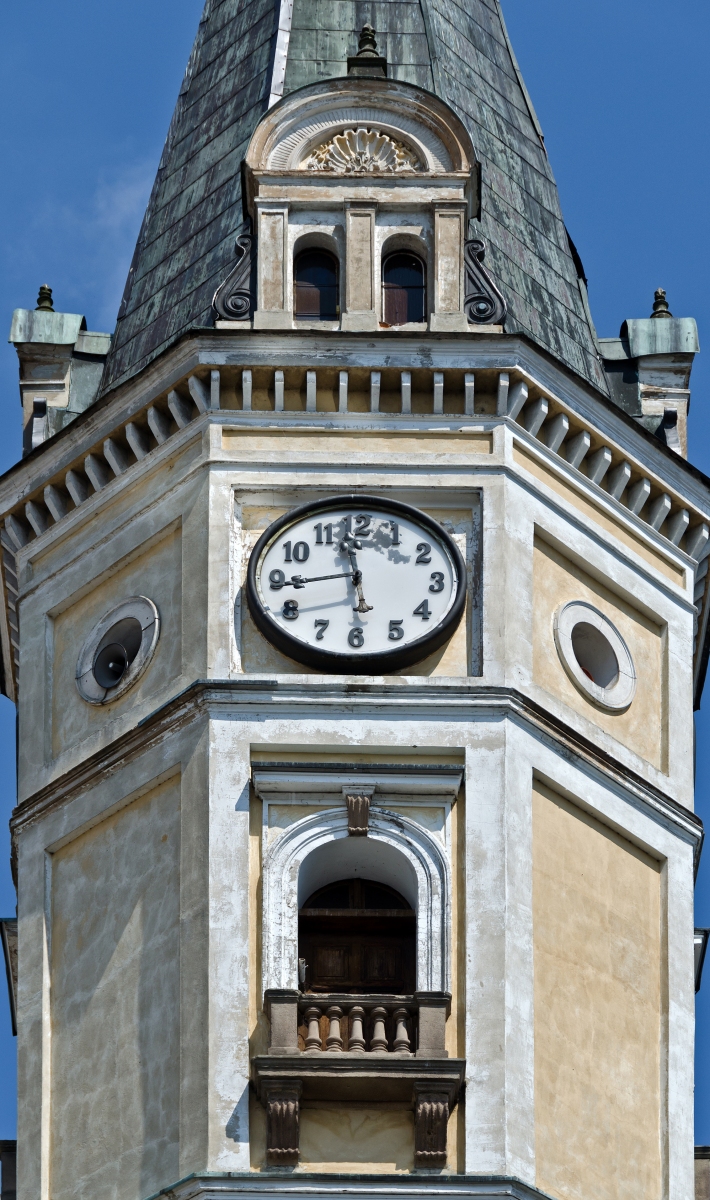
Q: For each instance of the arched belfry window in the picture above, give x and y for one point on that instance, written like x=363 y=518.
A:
x=403 y=288
x=358 y=937
x=316 y=286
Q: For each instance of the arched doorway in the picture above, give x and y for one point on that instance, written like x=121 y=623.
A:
x=358 y=937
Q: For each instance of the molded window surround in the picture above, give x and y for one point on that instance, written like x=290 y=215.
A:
x=315 y=850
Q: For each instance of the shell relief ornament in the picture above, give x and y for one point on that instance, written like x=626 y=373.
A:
x=363 y=152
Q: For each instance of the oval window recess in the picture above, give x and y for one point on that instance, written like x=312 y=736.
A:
x=117 y=650
x=595 y=656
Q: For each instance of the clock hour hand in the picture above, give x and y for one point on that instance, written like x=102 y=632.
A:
x=298 y=581
x=348 y=546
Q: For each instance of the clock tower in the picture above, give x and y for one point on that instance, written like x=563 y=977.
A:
x=354 y=606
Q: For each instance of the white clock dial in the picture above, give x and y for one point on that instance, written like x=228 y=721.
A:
x=356 y=577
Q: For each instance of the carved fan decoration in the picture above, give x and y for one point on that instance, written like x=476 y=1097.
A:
x=363 y=152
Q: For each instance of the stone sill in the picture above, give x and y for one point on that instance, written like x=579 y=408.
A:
x=384 y=1078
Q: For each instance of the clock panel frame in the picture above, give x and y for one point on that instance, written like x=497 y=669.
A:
x=335 y=662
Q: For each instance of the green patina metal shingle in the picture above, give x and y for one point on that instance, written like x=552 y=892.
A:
x=457 y=48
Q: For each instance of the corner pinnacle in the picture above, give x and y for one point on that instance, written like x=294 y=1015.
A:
x=44 y=300
x=367 y=46
x=660 y=304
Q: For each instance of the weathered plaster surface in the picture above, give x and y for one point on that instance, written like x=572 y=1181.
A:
x=115 y=1011
x=357 y=1139
x=217 y=1016
x=643 y=727
x=157 y=574
x=587 y=507
x=599 y=1008
x=228 y=967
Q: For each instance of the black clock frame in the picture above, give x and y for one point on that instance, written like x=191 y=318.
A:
x=333 y=661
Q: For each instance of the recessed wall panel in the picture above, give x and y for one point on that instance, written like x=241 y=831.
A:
x=598 y=1014
x=115 y=1004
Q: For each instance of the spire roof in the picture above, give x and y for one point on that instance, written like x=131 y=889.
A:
x=249 y=52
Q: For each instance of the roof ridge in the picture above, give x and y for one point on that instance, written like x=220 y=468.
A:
x=519 y=75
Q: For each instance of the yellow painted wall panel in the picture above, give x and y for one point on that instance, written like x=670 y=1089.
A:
x=584 y=505
x=556 y=580
x=350 y=1138
x=598 y=1008
x=342 y=445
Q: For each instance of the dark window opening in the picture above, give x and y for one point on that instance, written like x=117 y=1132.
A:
x=404 y=289
x=316 y=286
x=358 y=937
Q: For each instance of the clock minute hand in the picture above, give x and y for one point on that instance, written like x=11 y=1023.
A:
x=347 y=546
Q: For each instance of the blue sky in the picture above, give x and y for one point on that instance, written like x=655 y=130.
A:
x=622 y=91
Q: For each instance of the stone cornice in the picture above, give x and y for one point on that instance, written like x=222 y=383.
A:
x=96 y=455
x=205 y=698
x=209 y=1186
x=282 y=348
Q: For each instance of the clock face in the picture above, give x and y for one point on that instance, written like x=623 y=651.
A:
x=356 y=584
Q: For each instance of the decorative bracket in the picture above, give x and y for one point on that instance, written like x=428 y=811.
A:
x=234 y=299
x=431 y=1120
x=358 y=811
x=483 y=302
x=282 y=1101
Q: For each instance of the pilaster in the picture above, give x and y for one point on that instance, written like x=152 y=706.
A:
x=360 y=286
x=449 y=222
x=273 y=300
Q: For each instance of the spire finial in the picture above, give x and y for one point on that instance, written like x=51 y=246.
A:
x=660 y=304
x=367 y=46
x=44 y=300
x=367 y=63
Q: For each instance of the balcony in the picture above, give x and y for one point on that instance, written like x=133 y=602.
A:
x=369 y=1048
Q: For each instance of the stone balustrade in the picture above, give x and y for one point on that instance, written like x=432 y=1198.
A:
x=358 y=1024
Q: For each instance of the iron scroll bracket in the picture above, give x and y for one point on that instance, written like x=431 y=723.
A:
x=483 y=303
x=234 y=299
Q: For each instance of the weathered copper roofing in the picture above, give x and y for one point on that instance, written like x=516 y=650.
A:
x=460 y=50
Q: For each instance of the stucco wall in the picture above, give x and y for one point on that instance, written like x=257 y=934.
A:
x=115 y=1004
x=155 y=572
x=642 y=727
x=355 y=1138
x=598 y=1018
x=587 y=508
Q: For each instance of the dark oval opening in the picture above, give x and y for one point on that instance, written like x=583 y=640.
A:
x=357 y=936
x=595 y=655
x=110 y=665
x=116 y=651
x=316 y=286
x=404 y=289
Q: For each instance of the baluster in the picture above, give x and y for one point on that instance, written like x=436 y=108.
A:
x=312 y=1019
x=356 y=1041
x=401 y=1037
x=378 y=1042
x=334 y=1042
